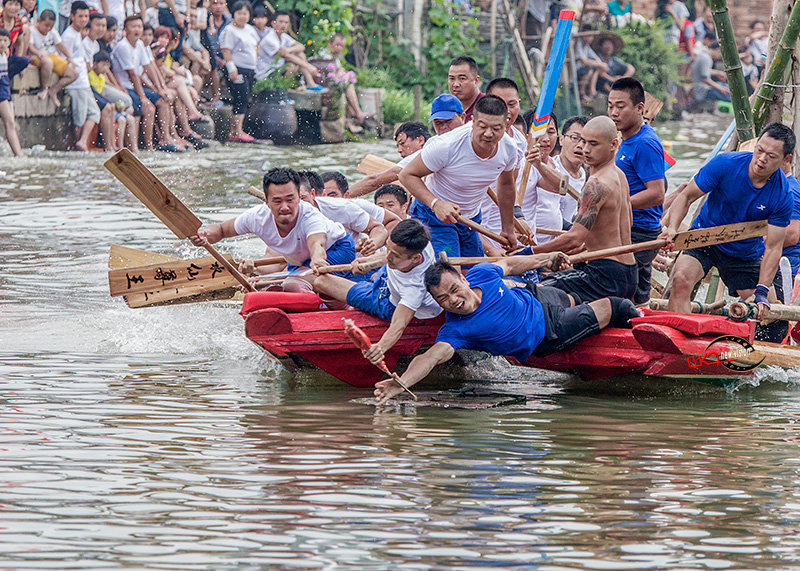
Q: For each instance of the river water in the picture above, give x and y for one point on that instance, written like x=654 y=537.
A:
x=162 y=439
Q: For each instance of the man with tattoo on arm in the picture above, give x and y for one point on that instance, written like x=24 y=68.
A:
x=603 y=221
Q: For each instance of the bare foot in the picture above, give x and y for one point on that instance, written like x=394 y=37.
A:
x=54 y=98
x=43 y=93
x=81 y=147
x=384 y=390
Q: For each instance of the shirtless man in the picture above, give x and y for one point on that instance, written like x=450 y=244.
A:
x=458 y=167
x=603 y=221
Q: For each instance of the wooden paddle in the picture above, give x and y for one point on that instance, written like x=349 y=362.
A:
x=373 y=164
x=517 y=224
x=166 y=206
x=125 y=257
x=363 y=268
x=683 y=241
x=651 y=108
x=258 y=193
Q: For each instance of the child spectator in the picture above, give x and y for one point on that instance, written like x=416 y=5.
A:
x=28 y=11
x=239 y=45
x=123 y=106
x=749 y=70
x=6 y=105
x=18 y=31
x=195 y=56
x=54 y=57
x=279 y=49
x=209 y=37
x=261 y=20
x=109 y=40
x=85 y=111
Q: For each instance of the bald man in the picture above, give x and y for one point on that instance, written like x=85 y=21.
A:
x=603 y=221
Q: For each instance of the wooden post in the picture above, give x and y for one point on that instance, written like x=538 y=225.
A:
x=733 y=69
x=417 y=102
x=520 y=54
x=493 y=36
x=775 y=73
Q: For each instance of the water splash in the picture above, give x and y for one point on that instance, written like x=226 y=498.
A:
x=768 y=375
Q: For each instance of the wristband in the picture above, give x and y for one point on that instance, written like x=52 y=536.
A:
x=761 y=294
x=433 y=203
x=230 y=66
x=518 y=212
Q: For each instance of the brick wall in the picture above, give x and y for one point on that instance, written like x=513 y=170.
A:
x=742 y=13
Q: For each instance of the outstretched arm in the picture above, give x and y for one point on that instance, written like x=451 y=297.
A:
x=417 y=370
x=374 y=181
x=400 y=319
x=213 y=233
x=518 y=265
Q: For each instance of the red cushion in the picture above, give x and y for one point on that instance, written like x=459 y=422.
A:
x=287 y=301
x=694 y=324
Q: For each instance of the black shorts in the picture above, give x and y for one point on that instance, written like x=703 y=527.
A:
x=737 y=274
x=595 y=280
x=563 y=325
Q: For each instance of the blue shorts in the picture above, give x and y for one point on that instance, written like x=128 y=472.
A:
x=342 y=251
x=151 y=95
x=372 y=297
x=5 y=88
x=452 y=239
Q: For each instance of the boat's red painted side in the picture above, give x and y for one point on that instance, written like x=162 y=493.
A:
x=660 y=344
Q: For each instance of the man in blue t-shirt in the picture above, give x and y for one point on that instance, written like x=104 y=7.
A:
x=486 y=315
x=741 y=187
x=641 y=158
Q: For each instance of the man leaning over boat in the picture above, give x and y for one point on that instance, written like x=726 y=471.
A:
x=483 y=313
x=290 y=227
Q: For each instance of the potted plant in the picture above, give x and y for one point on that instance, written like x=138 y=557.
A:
x=274 y=87
x=272 y=114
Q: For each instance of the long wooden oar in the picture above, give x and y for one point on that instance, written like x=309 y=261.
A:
x=517 y=224
x=544 y=105
x=683 y=241
x=166 y=206
x=373 y=164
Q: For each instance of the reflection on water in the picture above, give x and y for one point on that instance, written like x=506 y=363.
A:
x=162 y=439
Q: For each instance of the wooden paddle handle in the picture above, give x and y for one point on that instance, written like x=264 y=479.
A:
x=616 y=251
x=550 y=232
x=523 y=183
x=482 y=230
x=777 y=311
x=517 y=224
x=253 y=191
x=269 y=261
x=366 y=267
x=228 y=266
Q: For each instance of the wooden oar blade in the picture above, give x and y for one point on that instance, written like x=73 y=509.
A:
x=373 y=164
x=147 y=188
x=125 y=257
x=161 y=275
x=223 y=288
x=720 y=234
x=651 y=107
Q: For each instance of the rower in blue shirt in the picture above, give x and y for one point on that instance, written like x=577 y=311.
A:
x=741 y=187
x=486 y=315
x=641 y=158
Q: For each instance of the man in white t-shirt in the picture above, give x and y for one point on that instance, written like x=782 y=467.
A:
x=552 y=208
x=278 y=48
x=85 y=111
x=396 y=292
x=460 y=166
x=290 y=227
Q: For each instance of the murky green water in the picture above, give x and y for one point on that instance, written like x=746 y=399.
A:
x=163 y=439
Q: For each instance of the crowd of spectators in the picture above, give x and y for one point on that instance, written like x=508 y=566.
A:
x=135 y=72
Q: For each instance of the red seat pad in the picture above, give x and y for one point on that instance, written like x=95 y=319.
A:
x=694 y=324
x=287 y=301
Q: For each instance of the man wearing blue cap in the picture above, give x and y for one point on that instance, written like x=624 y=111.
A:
x=446 y=115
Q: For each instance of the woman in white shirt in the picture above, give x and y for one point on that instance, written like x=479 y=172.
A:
x=239 y=45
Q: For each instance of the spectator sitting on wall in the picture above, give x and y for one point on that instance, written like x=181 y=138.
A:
x=279 y=49
x=54 y=57
x=758 y=43
x=749 y=70
x=589 y=67
x=209 y=37
x=707 y=82
x=607 y=45
x=334 y=51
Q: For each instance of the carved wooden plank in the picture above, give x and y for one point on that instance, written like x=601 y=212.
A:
x=167 y=274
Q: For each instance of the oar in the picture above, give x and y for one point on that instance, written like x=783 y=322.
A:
x=258 y=193
x=683 y=241
x=541 y=116
x=482 y=230
x=550 y=232
x=373 y=164
x=124 y=257
x=165 y=205
x=363 y=268
x=652 y=106
x=741 y=310
x=517 y=224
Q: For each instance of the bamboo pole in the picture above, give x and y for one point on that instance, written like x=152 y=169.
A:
x=733 y=69
x=776 y=71
x=780 y=16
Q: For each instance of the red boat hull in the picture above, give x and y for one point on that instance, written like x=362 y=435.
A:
x=659 y=344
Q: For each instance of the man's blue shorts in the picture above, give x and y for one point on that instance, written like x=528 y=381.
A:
x=137 y=103
x=453 y=239
x=372 y=297
x=343 y=251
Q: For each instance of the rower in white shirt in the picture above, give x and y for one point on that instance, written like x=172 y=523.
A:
x=290 y=227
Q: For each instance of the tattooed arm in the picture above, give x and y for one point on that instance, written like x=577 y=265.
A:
x=593 y=198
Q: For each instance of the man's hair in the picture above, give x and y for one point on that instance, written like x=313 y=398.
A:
x=78 y=5
x=7 y=1
x=336 y=35
x=163 y=31
x=312 y=180
x=96 y=16
x=579 y=119
x=280 y=175
x=522 y=123
x=4 y=33
x=491 y=105
x=111 y=22
x=754 y=22
x=101 y=56
x=780 y=132
x=394 y=189
x=260 y=11
x=633 y=87
x=528 y=116
x=279 y=13
x=413 y=129
x=338 y=178
x=411 y=235
x=240 y=4
x=147 y=27
x=47 y=15
x=461 y=60
x=502 y=83
x=132 y=18
x=433 y=275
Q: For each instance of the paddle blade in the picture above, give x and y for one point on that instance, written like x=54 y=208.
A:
x=552 y=73
x=146 y=187
x=125 y=257
x=140 y=279
x=720 y=234
x=373 y=164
